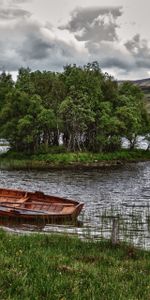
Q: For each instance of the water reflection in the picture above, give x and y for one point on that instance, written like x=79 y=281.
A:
x=123 y=191
x=3 y=149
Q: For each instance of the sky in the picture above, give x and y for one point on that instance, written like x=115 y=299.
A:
x=49 y=34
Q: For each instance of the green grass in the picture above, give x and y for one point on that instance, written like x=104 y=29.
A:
x=14 y=160
x=88 y=157
x=62 y=268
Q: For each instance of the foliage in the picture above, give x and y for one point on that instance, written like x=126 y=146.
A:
x=82 y=107
x=23 y=118
x=6 y=85
x=132 y=113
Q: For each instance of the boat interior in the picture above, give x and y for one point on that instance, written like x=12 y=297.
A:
x=35 y=202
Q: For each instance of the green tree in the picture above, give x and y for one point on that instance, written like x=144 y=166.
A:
x=131 y=112
x=83 y=104
x=83 y=87
x=49 y=86
x=6 y=85
x=76 y=114
x=24 y=121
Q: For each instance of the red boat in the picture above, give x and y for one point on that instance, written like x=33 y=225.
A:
x=37 y=205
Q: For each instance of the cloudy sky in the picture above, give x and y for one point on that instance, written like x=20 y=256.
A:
x=48 y=34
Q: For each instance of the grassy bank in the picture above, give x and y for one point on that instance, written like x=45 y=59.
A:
x=14 y=160
x=62 y=268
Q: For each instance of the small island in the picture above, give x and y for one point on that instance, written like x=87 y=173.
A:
x=76 y=118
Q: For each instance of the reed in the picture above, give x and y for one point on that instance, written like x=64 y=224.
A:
x=59 y=267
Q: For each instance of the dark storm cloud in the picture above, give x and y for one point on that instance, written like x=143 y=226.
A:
x=97 y=27
x=111 y=55
x=140 y=50
x=26 y=42
x=94 y=24
x=46 y=53
x=91 y=34
x=34 y=47
x=30 y=43
x=117 y=62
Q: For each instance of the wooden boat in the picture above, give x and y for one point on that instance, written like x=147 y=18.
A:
x=37 y=205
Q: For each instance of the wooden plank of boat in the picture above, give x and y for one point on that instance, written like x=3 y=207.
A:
x=37 y=204
x=22 y=210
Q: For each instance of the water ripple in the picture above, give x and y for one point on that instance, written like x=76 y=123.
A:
x=125 y=188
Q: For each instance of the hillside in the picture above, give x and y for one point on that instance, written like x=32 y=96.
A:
x=144 y=84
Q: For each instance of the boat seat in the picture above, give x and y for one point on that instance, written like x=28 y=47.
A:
x=22 y=200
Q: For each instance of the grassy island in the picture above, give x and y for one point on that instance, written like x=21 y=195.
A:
x=58 y=267
x=70 y=160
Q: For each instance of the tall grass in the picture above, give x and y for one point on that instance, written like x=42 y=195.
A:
x=58 y=267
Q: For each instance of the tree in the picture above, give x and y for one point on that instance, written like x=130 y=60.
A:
x=49 y=86
x=83 y=88
x=131 y=112
x=83 y=104
x=47 y=124
x=24 y=121
x=6 y=85
x=109 y=128
x=24 y=82
x=76 y=114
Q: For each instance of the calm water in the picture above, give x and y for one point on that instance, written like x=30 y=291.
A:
x=123 y=192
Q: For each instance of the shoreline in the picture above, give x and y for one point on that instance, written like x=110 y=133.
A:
x=71 y=161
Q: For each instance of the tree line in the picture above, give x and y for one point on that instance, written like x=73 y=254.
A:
x=87 y=108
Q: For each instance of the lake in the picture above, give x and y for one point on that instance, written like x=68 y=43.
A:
x=122 y=193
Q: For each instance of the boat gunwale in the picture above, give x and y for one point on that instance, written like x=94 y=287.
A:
x=42 y=194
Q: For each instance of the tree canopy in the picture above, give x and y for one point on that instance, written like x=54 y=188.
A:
x=87 y=108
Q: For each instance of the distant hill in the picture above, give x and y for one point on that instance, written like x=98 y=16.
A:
x=144 y=84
